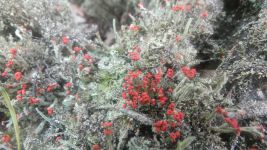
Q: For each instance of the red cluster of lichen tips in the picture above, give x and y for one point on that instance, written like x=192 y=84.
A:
x=143 y=92
x=232 y=121
x=190 y=73
x=170 y=125
x=68 y=87
x=135 y=54
x=107 y=128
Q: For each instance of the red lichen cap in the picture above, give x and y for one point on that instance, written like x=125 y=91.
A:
x=65 y=40
x=6 y=138
x=18 y=76
x=106 y=124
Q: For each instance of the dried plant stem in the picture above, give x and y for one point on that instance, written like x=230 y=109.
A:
x=133 y=114
x=12 y=112
x=248 y=130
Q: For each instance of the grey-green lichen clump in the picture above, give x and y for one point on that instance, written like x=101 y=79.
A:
x=158 y=74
